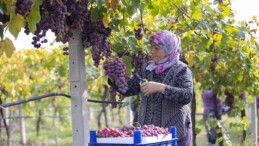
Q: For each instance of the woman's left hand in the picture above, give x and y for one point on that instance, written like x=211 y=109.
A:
x=150 y=87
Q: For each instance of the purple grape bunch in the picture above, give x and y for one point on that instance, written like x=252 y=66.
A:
x=139 y=58
x=23 y=7
x=115 y=70
x=138 y=33
x=113 y=95
x=63 y=16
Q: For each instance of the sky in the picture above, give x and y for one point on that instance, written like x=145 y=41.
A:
x=244 y=10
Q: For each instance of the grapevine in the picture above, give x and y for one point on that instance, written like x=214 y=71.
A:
x=63 y=16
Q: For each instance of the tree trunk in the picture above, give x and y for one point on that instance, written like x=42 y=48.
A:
x=38 y=123
x=5 y=125
x=243 y=115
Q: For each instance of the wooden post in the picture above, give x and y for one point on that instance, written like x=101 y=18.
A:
x=254 y=122
x=22 y=125
x=78 y=91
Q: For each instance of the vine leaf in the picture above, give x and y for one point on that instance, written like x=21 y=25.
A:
x=34 y=17
x=97 y=14
x=16 y=24
x=7 y=47
x=7 y=2
x=106 y=20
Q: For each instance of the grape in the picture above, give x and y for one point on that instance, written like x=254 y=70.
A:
x=4 y=18
x=139 y=58
x=23 y=7
x=138 y=33
x=128 y=131
x=63 y=16
x=115 y=70
x=113 y=94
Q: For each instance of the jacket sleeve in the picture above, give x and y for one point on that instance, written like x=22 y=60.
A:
x=133 y=87
x=182 y=91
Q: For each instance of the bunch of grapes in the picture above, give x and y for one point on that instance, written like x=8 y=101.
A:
x=113 y=95
x=128 y=131
x=139 y=58
x=96 y=36
x=115 y=70
x=4 y=18
x=138 y=33
x=63 y=16
x=23 y=7
x=53 y=17
x=65 y=51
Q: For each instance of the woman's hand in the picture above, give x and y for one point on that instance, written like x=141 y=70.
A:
x=148 y=88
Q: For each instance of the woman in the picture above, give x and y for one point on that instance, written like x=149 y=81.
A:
x=169 y=87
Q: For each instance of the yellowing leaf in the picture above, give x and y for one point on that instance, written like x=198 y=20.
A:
x=226 y=10
x=15 y=24
x=197 y=15
x=113 y=4
x=217 y=36
x=256 y=73
x=239 y=77
x=220 y=65
x=251 y=98
x=106 y=20
x=7 y=2
x=190 y=58
x=98 y=82
x=7 y=47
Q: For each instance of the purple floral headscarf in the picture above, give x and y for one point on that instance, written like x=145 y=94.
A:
x=171 y=43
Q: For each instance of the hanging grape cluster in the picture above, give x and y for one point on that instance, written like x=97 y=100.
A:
x=23 y=7
x=139 y=58
x=138 y=33
x=115 y=70
x=61 y=17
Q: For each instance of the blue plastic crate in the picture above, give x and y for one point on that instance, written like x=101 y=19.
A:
x=137 y=140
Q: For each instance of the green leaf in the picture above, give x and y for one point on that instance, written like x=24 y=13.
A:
x=99 y=3
x=127 y=60
x=34 y=16
x=135 y=4
x=196 y=12
x=3 y=7
x=118 y=47
x=16 y=24
x=97 y=14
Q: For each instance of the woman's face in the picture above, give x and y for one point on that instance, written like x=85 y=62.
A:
x=157 y=53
